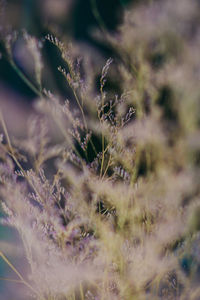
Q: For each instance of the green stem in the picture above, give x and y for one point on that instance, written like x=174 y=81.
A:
x=18 y=274
x=98 y=16
x=25 y=79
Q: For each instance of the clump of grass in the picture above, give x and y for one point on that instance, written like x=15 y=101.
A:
x=107 y=203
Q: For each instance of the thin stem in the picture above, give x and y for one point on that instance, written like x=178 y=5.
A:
x=102 y=136
x=5 y=130
x=71 y=72
x=25 y=79
x=11 y=152
x=18 y=274
x=67 y=138
x=93 y=146
x=103 y=155
x=81 y=109
x=108 y=165
x=98 y=16
x=11 y=280
x=11 y=266
x=81 y=292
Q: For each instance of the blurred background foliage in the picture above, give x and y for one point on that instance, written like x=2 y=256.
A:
x=75 y=20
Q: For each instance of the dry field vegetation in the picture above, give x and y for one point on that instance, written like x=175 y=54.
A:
x=104 y=190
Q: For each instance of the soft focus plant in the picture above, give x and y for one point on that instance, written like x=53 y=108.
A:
x=104 y=190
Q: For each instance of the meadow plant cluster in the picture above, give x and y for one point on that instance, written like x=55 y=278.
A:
x=104 y=190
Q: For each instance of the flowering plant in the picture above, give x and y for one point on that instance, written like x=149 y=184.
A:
x=103 y=189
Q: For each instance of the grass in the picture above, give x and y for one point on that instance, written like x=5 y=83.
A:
x=106 y=204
